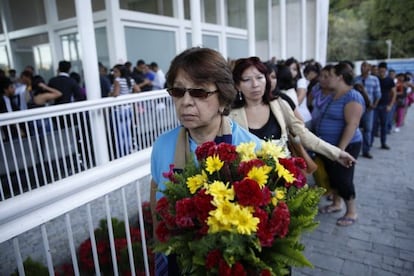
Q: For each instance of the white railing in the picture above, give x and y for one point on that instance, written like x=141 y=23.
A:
x=44 y=145
x=50 y=223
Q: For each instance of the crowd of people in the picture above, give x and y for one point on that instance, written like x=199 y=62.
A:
x=30 y=90
x=334 y=114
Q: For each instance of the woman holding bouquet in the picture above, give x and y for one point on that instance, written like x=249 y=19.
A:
x=202 y=87
x=270 y=117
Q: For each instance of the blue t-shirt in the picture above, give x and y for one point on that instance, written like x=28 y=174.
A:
x=163 y=151
x=332 y=122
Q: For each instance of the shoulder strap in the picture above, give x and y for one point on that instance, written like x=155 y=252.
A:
x=288 y=99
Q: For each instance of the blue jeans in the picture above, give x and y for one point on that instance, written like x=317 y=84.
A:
x=123 y=124
x=390 y=118
x=367 y=122
x=380 y=120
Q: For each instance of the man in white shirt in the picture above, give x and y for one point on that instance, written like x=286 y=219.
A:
x=159 y=80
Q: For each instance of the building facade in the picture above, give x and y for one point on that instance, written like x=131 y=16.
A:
x=42 y=32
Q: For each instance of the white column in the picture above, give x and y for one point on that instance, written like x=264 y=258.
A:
x=322 y=20
x=3 y=8
x=52 y=19
x=304 y=19
x=116 y=34
x=251 y=32
x=90 y=67
x=283 y=37
x=182 y=36
x=270 y=29
x=223 y=23
x=195 y=8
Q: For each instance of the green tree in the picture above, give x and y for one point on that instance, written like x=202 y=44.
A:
x=346 y=35
x=360 y=29
x=392 y=20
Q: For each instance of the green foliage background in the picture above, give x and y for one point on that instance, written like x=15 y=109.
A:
x=358 y=29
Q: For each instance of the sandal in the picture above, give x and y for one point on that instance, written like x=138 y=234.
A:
x=345 y=221
x=329 y=209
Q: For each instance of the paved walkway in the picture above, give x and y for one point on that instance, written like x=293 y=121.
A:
x=382 y=241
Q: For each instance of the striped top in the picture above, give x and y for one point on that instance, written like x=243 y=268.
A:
x=123 y=85
x=332 y=122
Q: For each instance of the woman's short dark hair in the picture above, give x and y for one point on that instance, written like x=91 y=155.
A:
x=205 y=65
x=240 y=66
x=285 y=79
x=345 y=70
x=5 y=82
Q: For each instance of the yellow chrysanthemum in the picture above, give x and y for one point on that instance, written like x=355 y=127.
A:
x=213 y=164
x=286 y=174
x=196 y=182
x=223 y=215
x=260 y=175
x=246 y=151
x=271 y=149
x=215 y=225
x=278 y=194
x=220 y=191
x=245 y=222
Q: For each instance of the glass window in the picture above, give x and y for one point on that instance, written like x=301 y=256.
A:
x=261 y=26
x=43 y=60
x=211 y=41
x=4 y=60
x=102 y=46
x=24 y=14
x=236 y=14
x=32 y=50
x=187 y=10
x=65 y=9
x=72 y=51
x=98 y=5
x=210 y=11
x=237 y=48
x=1 y=25
x=159 y=46
x=160 y=7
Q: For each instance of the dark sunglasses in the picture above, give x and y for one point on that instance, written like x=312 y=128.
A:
x=179 y=92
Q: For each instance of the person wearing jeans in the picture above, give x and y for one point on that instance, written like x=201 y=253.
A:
x=385 y=104
x=373 y=89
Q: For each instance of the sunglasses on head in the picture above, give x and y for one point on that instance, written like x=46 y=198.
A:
x=179 y=92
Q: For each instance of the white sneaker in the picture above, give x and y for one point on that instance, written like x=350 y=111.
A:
x=397 y=129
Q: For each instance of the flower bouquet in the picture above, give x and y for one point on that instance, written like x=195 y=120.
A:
x=237 y=211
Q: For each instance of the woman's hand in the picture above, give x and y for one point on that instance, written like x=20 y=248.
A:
x=346 y=159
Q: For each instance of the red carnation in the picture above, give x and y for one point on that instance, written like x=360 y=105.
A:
x=170 y=174
x=248 y=192
x=238 y=269
x=300 y=162
x=280 y=219
x=246 y=166
x=265 y=272
x=202 y=205
x=224 y=268
x=290 y=165
x=162 y=206
x=162 y=232
x=185 y=212
x=267 y=196
x=213 y=258
x=202 y=150
x=300 y=180
x=226 y=152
